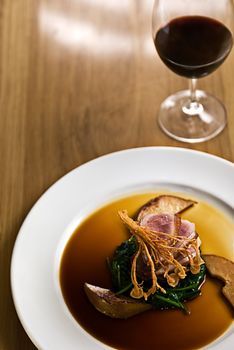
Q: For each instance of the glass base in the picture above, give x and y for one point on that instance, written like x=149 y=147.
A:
x=192 y=122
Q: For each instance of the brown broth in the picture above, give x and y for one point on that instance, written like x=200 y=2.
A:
x=84 y=260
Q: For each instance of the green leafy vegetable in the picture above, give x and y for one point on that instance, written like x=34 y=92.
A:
x=120 y=267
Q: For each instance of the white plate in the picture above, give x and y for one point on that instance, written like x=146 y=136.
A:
x=52 y=220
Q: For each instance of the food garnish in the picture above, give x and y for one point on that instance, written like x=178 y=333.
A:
x=223 y=269
x=160 y=264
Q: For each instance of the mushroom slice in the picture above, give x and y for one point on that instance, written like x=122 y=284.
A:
x=165 y=204
x=223 y=269
x=113 y=305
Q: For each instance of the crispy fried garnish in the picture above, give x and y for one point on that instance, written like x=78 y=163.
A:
x=160 y=250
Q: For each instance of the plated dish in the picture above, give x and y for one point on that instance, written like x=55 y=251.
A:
x=65 y=206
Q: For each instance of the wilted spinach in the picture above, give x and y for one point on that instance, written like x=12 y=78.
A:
x=120 y=267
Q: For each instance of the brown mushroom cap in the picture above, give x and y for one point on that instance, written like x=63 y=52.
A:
x=113 y=305
x=223 y=269
x=165 y=204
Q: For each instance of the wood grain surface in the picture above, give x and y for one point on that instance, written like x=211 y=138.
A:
x=78 y=79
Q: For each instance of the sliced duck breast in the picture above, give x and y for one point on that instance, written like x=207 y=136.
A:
x=172 y=225
x=166 y=223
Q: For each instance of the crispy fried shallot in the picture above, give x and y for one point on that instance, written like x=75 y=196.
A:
x=161 y=251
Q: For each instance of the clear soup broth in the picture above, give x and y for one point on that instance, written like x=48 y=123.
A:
x=84 y=260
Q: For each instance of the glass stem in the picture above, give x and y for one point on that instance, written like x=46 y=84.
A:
x=192 y=107
x=193 y=88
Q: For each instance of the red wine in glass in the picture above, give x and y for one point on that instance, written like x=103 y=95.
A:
x=193 y=46
x=193 y=38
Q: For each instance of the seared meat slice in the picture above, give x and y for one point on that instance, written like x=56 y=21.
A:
x=172 y=225
x=164 y=241
x=166 y=223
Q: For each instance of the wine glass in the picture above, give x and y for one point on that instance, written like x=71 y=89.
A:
x=193 y=38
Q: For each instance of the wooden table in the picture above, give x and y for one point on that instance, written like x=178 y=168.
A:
x=78 y=79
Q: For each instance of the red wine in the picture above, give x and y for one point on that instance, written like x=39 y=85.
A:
x=193 y=46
